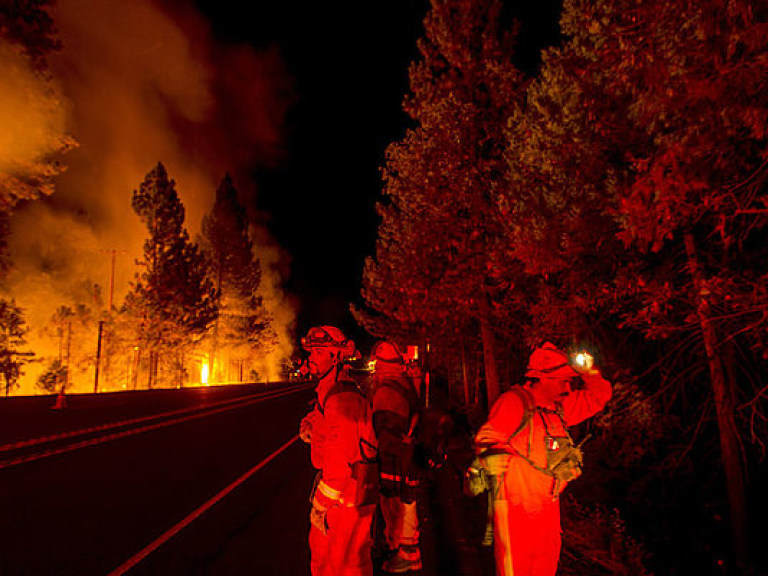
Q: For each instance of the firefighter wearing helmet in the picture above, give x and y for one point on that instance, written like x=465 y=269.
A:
x=395 y=418
x=343 y=451
x=526 y=448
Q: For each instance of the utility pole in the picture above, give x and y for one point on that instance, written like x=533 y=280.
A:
x=98 y=357
x=69 y=348
x=113 y=252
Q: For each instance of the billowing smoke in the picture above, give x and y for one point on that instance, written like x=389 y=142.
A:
x=144 y=84
x=33 y=122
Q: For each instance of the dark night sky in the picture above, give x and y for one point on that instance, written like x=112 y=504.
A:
x=349 y=62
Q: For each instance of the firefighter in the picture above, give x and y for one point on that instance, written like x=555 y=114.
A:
x=526 y=447
x=343 y=450
x=395 y=419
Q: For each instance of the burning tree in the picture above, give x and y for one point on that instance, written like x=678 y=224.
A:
x=172 y=299
x=27 y=23
x=73 y=328
x=12 y=330
x=242 y=327
x=33 y=138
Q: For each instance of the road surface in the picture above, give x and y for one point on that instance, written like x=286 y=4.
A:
x=197 y=481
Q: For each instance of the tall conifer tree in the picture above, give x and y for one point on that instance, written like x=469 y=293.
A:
x=438 y=241
x=243 y=324
x=13 y=330
x=171 y=295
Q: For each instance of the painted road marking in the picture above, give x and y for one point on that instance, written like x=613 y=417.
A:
x=163 y=538
x=10 y=462
x=122 y=423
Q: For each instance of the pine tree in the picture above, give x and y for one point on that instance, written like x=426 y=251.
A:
x=171 y=297
x=438 y=240
x=74 y=329
x=13 y=328
x=243 y=325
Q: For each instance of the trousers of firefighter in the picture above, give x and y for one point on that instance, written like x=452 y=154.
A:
x=399 y=482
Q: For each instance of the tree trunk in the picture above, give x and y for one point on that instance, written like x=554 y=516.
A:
x=69 y=350
x=724 y=404
x=149 y=369
x=492 y=386
x=464 y=376
x=136 y=364
x=212 y=368
x=98 y=357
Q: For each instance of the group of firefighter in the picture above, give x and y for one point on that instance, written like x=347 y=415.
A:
x=362 y=442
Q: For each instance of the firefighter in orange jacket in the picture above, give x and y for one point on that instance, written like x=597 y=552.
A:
x=395 y=418
x=343 y=450
x=525 y=445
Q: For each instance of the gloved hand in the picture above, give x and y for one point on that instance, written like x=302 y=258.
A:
x=318 y=517
x=305 y=428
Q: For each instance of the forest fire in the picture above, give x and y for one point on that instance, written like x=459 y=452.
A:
x=129 y=104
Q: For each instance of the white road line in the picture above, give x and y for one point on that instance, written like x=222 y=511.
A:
x=162 y=539
x=10 y=462
x=121 y=423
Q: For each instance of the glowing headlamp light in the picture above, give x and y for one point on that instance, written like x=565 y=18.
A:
x=582 y=360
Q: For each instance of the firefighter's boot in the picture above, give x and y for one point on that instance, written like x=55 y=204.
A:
x=406 y=559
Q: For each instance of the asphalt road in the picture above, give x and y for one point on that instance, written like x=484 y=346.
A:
x=96 y=502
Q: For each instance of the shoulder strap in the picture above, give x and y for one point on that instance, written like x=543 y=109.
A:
x=339 y=387
x=403 y=385
x=527 y=400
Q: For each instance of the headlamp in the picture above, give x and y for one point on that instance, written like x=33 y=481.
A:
x=582 y=360
x=318 y=337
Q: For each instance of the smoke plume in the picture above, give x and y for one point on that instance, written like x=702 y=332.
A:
x=144 y=84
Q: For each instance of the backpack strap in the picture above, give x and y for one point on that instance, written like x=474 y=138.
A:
x=368 y=450
x=530 y=409
x=527 y=399
x=404 y=386
x=339 y=387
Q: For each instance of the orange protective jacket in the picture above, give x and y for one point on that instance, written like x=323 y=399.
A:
x=526 y=508
x=496 y=435
x=342 y=440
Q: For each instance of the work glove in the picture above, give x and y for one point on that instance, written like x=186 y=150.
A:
x=305 y=428
x=318 y=517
